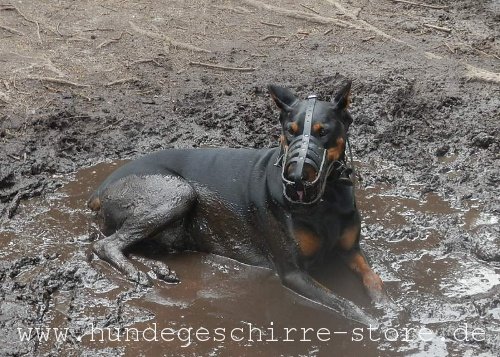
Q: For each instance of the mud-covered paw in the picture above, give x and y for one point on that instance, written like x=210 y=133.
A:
x=140 y=278
x=376 y=290
x=164 y=273
x=114 y=256
x=373 y=284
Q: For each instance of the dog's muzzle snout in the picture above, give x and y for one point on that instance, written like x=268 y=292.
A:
x=303 y=170
x=303 y=160
x=305 y=166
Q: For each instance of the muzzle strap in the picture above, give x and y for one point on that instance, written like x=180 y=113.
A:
x=306 y=135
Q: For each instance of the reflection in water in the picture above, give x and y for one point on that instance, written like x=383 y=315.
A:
x=403 y=239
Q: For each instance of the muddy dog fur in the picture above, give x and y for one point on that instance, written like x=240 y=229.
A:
x=231 y=202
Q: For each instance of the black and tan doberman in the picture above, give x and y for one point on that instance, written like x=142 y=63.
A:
x=284 y=208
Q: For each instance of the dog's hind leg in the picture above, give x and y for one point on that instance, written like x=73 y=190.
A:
x=135 y=208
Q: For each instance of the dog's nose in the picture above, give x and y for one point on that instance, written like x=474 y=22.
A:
x=308 y=173
x=292 y=174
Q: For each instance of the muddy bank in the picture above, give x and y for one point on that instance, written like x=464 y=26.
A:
x=425 y=136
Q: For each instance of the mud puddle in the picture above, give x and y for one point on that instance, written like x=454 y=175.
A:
x=224 y=308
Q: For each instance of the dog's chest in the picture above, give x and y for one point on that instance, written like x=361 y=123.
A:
x=315 y=235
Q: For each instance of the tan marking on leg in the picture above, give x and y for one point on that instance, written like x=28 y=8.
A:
x=283 y=142
x=309 y=243
x=349 y=237
x=371 y=280
x=294 y=127
x=348 y=100
x=359 y=264
x=94 y=204
x=336 y=152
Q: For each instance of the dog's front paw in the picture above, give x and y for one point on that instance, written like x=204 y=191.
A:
x=376 y=290
x=375 y=287
x=372 y=281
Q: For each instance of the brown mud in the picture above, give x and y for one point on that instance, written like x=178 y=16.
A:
x=97 y=82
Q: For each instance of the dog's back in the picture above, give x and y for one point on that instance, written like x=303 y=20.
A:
x=216 y=169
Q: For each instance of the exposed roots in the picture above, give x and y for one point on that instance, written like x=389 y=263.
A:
x=474 y=73
x=302 y=15
x=168 y=40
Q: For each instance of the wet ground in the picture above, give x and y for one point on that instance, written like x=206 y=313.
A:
x=91 y=83
x=440 y=292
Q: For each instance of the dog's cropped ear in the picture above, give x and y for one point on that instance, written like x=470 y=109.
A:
x=342 y=99
x=283 y=97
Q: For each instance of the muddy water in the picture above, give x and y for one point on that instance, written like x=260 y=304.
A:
x=224 y=308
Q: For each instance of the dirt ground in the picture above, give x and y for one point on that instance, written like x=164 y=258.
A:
x=87 y=82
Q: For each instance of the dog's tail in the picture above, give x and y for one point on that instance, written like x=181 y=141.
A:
x=94 y=203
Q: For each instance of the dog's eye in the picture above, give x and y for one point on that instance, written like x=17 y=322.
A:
x=322 y=132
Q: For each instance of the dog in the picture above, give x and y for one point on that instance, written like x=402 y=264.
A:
x=284 y=208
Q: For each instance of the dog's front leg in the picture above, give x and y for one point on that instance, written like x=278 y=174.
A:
x=353 y=255
x=303 y=284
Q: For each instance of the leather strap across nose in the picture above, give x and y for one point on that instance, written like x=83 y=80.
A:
x=305 y=149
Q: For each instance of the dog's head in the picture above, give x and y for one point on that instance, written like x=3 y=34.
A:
x=313 y=137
